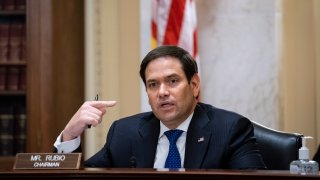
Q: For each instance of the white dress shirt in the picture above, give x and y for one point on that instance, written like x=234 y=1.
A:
x=66 y=146
x=162 y=146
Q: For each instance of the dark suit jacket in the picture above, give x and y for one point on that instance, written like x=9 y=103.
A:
x=229 y=142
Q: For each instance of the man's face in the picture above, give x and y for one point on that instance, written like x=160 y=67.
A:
x=171 y=97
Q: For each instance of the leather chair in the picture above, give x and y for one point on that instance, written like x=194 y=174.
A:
x=316 y=156
x=277 y=148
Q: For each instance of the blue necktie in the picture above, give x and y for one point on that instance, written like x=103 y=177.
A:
x=173 y=160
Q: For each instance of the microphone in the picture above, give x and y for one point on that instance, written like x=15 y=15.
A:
x=133 y=162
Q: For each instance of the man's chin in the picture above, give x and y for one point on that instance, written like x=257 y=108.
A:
x=166 y=118
x=167 y=109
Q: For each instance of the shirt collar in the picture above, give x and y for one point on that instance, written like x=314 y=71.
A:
x=183 y=126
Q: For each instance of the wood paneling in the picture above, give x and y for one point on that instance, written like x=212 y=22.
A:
x=299 y=69
x=55 y=55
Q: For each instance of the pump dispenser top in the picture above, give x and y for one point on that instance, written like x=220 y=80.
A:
x=304 y=151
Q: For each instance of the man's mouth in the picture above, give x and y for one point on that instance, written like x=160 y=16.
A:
x=166 y=105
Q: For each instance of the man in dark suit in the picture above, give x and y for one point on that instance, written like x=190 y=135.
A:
x=180 y=132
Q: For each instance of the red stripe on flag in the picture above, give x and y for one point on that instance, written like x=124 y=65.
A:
x=195 y=44
x=173 y=28
x=154 y=29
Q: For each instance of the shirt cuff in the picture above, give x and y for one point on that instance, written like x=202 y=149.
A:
x=67 y=146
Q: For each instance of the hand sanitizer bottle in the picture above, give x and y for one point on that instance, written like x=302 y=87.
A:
x=304 y=165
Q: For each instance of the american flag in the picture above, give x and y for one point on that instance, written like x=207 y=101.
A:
x=174 y=22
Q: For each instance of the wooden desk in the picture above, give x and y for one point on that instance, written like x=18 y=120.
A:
x=95 y=173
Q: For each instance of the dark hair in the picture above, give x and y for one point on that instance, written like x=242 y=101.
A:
x=189 y=65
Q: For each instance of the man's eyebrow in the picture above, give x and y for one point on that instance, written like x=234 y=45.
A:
x=150 y=80
x=172 y=75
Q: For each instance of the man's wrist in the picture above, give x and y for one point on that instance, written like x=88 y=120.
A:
x=66 y=136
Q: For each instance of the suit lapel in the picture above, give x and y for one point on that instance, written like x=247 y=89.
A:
x=198 y=138
x=145 y=147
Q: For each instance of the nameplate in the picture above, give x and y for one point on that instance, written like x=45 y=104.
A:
x=47 y=161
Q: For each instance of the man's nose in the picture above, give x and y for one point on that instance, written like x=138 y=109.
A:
x=163 y=90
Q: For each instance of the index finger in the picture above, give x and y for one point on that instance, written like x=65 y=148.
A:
x=103 y=104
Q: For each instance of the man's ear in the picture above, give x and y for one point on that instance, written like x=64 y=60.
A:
x=195 y=85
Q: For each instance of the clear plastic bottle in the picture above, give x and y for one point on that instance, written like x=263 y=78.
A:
x=304 y=165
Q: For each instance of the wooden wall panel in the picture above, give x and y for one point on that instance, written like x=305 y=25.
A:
x=299 y=69
x=55 y=55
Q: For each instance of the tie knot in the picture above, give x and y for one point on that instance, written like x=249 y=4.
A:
x=173 y=135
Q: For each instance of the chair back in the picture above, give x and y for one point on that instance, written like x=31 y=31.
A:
x=277 y=148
